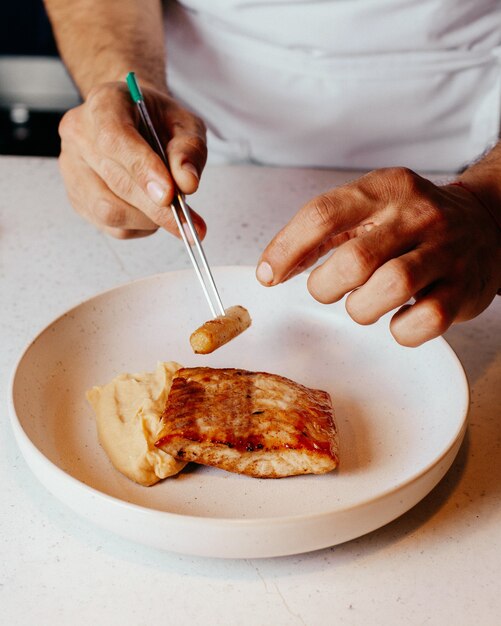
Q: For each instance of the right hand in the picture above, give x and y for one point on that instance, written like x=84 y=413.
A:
x=113 y=178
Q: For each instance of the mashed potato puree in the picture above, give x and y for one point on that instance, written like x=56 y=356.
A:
x=128 y=411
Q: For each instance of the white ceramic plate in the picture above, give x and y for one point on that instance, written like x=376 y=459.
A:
x=401 y=414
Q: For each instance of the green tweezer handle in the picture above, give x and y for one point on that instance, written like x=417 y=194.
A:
x=135 y=90
x=138 y=98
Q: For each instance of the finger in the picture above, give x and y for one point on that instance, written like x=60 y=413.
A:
x=327 y=215
x=354 y=262
x=119 y=181
x=430 y=317
x=137 y=174
x=186 y=150
x=104 y=129
x=394 y=284
x=121 y=147
x=311 y=259
x=107 y=204
x=325 y=247
x=115 y=136
x=92 y=198
x=187 y=153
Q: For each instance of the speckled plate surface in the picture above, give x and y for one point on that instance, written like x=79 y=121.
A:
x=401 y=414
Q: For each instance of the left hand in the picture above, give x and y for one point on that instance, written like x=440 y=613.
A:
x=395 y=236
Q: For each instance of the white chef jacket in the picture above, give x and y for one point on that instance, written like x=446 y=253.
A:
x=340 y=83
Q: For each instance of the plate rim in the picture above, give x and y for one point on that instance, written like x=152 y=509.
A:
x=20 y=433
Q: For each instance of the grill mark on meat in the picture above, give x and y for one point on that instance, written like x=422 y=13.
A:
x=259 y=419
x=197 y=396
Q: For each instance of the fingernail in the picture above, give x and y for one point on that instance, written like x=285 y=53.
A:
x=264 y=273
x=155 y=191
x=189 y=167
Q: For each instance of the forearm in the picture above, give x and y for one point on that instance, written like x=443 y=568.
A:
x=102 y=41
x=484 y=180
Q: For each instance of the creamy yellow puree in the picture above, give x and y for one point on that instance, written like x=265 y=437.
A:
x=128 y=411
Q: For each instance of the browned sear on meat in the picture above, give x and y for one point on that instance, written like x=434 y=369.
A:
x=252 y=423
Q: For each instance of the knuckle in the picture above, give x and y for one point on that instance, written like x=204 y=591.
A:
x=110 y=213
x=320 y=211
x=403 y=183
x=357 y=260
x=434 y=318
x=140 y=168
x=399 y=280
x=403 y=176
x=191 y=123
x=191 y=144
x=116 y=178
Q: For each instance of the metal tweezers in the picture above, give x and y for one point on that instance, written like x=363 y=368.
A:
x=180 y=208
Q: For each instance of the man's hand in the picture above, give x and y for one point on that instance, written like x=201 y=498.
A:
x=395 y=236
x=113 y=178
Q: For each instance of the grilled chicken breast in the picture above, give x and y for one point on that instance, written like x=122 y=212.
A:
x=257 y=424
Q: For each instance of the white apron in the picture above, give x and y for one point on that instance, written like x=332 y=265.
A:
x=340 y=83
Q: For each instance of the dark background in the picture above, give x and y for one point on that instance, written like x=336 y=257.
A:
x=25 y=29
x=25 y=34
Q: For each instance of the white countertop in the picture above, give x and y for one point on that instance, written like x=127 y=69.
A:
x=440 y=563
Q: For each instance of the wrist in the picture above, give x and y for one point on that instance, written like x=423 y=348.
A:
x=485 y=186
x=145 y=79
x=485 y=190
x=479 y=200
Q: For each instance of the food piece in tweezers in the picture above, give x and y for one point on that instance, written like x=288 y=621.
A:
x=218 y=331
x=257 y=424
